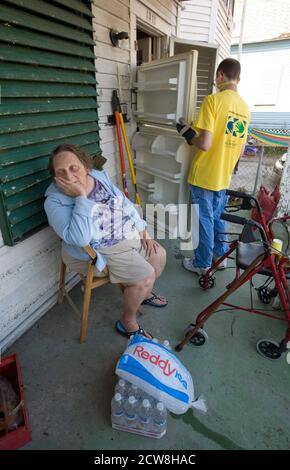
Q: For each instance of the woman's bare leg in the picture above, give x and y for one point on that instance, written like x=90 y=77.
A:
x=158 y=261
x=133 y=297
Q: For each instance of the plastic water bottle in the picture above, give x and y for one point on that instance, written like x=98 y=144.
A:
x=122 y=388
x=142 y=395
x=145 y=412
x=159 y=418
x=130 y=410
x=153 y=401
x=133 y=390
x=166 y=344
x=117 y=412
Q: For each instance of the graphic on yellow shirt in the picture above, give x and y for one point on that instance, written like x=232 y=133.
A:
x=236 y=127
x=226 y=116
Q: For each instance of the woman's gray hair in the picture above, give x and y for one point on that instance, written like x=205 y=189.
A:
x=83 y=156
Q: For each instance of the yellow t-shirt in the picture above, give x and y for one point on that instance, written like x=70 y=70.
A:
x=227 y=117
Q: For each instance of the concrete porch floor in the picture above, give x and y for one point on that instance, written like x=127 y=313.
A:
x=69 y=386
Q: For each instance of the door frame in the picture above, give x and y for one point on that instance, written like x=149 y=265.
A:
x=151 y=23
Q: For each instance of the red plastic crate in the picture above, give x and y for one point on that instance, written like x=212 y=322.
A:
x=10 y=368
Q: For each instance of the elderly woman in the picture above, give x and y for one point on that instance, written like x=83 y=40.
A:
x=85 y=208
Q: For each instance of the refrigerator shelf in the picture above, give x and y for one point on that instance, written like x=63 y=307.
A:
x=173 y=178
x=164 y=146
x=151 y=85
x=144 y=115
x=148 y=187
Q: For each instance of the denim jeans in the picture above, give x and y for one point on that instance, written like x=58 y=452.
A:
x=211 y=205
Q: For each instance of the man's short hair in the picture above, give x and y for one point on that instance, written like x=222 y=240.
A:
x=231 y=68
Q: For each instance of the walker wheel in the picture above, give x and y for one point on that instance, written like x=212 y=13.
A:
x=210 y=282
x=269 y=349
x=199 y=339
x=264 y=295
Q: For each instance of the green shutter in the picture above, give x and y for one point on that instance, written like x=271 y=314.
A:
x=48 y=97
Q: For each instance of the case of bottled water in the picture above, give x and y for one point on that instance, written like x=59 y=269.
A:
x=134 y=411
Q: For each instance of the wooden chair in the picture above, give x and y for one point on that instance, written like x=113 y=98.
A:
x=89 y=283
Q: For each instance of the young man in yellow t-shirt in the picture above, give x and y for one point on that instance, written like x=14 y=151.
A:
x=219 y=135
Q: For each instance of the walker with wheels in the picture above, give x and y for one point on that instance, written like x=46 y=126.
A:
x=253 y=255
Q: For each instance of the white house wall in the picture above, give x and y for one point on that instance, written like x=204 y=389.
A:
x=119 y=15
x=223 y=32
x=113 y=14
x=265 y=76
x=29 y=274
x=195 y=20
x=165 y=12
x=206 y=21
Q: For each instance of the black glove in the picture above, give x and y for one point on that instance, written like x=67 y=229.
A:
x=185 y=130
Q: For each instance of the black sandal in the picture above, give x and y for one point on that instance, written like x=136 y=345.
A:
x=120 y=329
x=151 y=302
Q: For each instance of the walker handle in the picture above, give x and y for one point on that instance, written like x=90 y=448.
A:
x=235 y=219
x=246 y=196
x=238 y=194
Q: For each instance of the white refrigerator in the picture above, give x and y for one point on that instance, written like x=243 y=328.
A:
x=166 y=90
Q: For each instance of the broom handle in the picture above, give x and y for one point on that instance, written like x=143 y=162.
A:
x=130 y=160
x=122 y=159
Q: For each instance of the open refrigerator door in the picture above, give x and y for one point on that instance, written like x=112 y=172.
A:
x=166 y=91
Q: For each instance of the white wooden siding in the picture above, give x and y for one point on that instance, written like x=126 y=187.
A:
x=29 y=274
x=195 y=17
x=159 y=18
x=206 y=21
x=223 y=32
x=165 y=9
x=117 y=15
x=111 y=15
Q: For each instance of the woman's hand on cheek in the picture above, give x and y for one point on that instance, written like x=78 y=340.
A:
x=70 y=188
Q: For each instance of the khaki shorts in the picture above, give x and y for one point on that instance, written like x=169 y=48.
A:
x=126 y=262
x=79 y=266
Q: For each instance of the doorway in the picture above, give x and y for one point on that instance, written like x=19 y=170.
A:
x=148 y=46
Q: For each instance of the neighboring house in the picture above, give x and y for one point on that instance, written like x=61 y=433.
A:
x=48 y=58
x=265 y=60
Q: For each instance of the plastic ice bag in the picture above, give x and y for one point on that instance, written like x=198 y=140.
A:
x=157 y=371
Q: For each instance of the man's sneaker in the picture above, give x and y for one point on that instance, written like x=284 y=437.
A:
x=222 y=265
x=188 y=265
